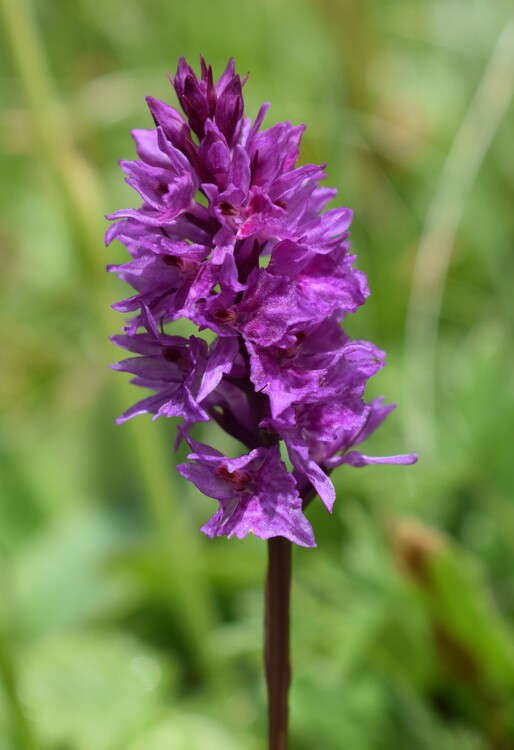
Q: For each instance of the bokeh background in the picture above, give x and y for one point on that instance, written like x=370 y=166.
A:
x=121 y=626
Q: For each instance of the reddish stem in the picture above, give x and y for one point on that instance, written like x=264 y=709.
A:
x=276 y=647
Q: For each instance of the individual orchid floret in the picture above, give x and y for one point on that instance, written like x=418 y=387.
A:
x=182 y=372
x=256 y=494
x=339 y=452
x=319 y=428
x=310 y=370
x=168 y=285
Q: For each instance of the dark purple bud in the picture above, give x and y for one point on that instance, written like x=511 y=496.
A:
x=172 y=123
x=194 y=103
x=210 y=88
x=229 y=108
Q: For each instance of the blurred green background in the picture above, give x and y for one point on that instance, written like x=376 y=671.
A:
x=121 y=626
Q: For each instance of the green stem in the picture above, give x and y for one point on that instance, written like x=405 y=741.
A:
x=21 y=731
x=81 y=199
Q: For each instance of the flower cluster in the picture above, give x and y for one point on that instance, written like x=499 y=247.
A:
x=235 y=237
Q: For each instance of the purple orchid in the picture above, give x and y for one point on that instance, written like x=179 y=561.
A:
x=235 y=237
x=256 y=494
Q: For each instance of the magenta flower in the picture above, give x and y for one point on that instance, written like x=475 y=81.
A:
x=256 y=494
x=234 y=237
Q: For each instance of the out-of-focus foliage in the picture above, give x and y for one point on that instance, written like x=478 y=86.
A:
x=121 y=627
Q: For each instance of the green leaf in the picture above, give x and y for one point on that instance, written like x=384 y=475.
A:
x=88 y=690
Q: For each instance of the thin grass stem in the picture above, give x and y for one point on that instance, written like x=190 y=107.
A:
x=465 y=157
